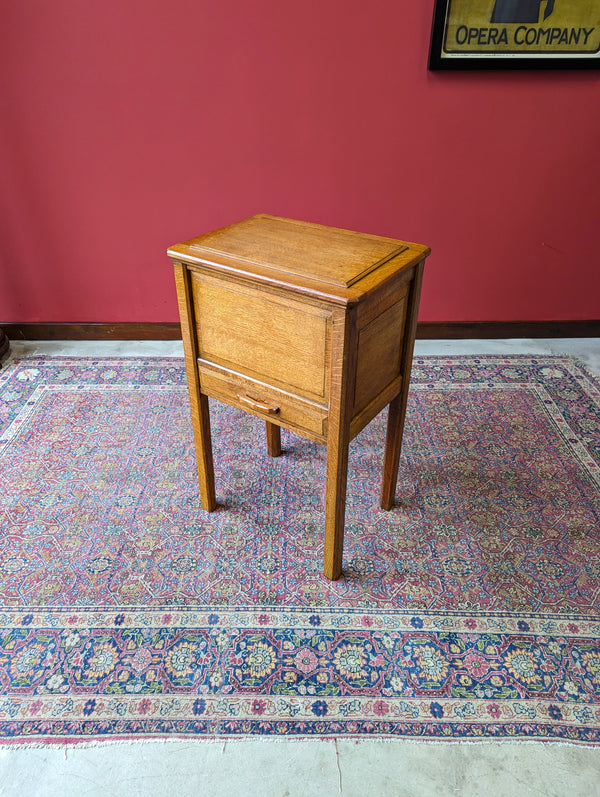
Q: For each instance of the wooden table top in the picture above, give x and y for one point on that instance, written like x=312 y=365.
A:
x=326 y=262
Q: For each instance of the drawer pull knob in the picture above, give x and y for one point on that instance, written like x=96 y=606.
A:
x=258 y=405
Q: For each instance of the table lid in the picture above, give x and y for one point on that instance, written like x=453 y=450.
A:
x=298 y=249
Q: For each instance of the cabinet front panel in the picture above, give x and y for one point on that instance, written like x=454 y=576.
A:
x=263 y=335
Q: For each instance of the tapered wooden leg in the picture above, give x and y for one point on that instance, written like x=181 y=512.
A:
x=198 y=401
x=393 y=444
x=206 y=473
x=335 y=504
x=341 y=398
x=273 y=439
x=397 y=411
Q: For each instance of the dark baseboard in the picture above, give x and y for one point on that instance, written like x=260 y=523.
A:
x=426 y=330
x=136 y=331
x=4 y=345
x=460 y=330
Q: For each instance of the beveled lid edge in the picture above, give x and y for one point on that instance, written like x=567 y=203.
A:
x=209 y=250
x=191 y=251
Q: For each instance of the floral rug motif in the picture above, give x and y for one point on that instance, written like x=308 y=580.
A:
x=471 y=610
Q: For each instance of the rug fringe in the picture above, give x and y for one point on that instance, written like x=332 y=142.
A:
x=72 y=745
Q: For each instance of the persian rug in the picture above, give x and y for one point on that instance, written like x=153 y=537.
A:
x=470 y=611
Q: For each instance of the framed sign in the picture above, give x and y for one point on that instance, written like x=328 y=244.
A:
x=508 y=34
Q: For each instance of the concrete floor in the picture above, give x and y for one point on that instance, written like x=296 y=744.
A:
x=301 y=769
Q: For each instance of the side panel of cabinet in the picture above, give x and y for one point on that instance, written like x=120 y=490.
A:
x=379 y=351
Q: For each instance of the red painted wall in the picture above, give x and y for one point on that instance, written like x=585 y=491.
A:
x=128 y=125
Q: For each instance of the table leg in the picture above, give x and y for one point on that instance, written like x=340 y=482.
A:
x=335 y=504
x=198 y=401
x=397 y=411
x=204 y=457
x=393 y=444
x=341 y=399
x=273 y=439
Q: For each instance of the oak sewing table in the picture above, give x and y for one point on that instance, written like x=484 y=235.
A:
x=309 y=327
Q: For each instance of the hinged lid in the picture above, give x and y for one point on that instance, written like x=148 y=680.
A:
x=298 y=249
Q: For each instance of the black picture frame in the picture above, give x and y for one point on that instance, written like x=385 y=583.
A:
x=442 y=57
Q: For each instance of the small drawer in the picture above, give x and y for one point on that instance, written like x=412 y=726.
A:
x=266 y=402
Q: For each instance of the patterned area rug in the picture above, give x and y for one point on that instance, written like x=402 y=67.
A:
x=471 y=610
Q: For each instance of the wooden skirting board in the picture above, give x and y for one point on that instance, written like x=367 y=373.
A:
x=4 y=345
x=125 y=331
x=426 y=330
x=462 y=330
